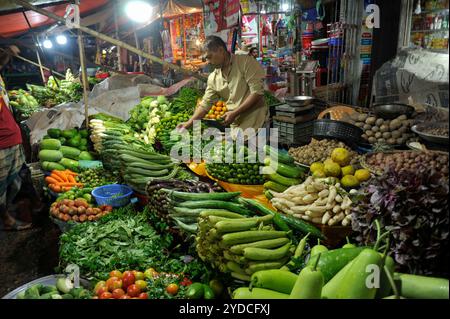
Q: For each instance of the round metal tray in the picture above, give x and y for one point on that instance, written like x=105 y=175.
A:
x=418 y=129
x=392 y=110
x=47 y=280
x=297 y=101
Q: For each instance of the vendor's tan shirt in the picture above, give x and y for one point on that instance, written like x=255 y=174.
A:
x=245 y=77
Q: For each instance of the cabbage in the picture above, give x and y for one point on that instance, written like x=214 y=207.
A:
x=162 y=99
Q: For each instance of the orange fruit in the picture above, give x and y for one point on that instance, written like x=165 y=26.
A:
x=219 y=108
x=220 y=103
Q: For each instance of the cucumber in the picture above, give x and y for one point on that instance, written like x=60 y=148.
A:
x=269 y=243
x=251 y=236
x=282 y=156
x=275 y=186
x=253 y=253
x=286 y=170
x=293 y=222
x=255 y=266
x=421 y=287
x=50 y=144
x=274 y=279
x=240 y=276
x=234 y=267
x=268 y=194
x=285 y=181
x=233 y=207
x=219 y=213
x=203 y=196
x=332 y=261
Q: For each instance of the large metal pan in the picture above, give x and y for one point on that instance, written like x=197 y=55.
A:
x=299 y=101
x=392 y=110
x=420 y=128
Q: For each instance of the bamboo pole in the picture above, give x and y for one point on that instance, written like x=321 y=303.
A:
x=116 y=26
x=111 y=40
x=36 y=64
x=84 y=76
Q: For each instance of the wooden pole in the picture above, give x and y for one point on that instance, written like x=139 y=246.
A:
x=37 y=64
x=136 y=39
x=111 y=40
x=183 y=21
x=116 y=25
x=84 y=76
x=40 y=66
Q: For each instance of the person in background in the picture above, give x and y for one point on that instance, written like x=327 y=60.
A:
x=253 y=52
x=12 y=156
x=239 y=81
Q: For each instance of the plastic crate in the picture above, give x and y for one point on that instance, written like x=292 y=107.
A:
x=109 y=195
x=342 y=131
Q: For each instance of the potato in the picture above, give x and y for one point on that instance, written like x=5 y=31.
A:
x=364 y=136
x=384 y=128
x=403 y=129
x=391 y=141
x=387 y=135
x=395 y=124
x=375 y=129
x=362 y=117
x=359 y=124
x=396 y=134
x=355 y=116
x=402 y=117
x=351 y=122
x=371 y=120
x=401 y=141
x=406 y=123
x=372 y=140
x=370 y=133
x=367 y=127
x=381 y=140
x=379 y=122
x=378 y=134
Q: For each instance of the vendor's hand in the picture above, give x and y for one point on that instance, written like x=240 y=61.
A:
x=229 y=118
x=184 y=126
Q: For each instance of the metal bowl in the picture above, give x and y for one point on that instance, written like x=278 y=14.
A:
x=392 y=110
x=299 y=100
x=420 y=128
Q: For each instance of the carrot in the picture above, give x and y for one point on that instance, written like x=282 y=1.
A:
x=71 y=178
x=69 y=172
x=51 y=180
x=57 y=177
x=54 y=187
x=61 y=174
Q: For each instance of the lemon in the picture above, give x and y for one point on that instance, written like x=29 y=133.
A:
x=319 y=173
x=362 y=175
x=341 y=156
x=348 y=170
x=349 y=181
x=332 y=169
x=316 y=166
x=328 y=161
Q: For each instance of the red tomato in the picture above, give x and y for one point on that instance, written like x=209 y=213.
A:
x=186 y=282
x=118 y=293
x=106 y=295
x=143 y=295
x=115 y=273
x=138 y=275
x=133 y=291
x=99 y=285
x=127 y=279
x=172 y=289
x=102 y=290
x=113 y=283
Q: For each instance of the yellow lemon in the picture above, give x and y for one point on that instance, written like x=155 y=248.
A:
x=332 y=169
x=362 y=175
x=349 y=181
x=341 y=156
x=348 y=170
x=319 y=173
x=316 y=166
x=328 y=161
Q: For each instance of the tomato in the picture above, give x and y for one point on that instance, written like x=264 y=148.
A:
x=127 y=279
x=102 y=290
x=115 y=273
x=143 y=295
x=149 y=273
x=141 y=284
x=186 y=282
x=113 y=283
x=139 y=275
x=106 y=295
x=133 y=291
x=99 y=285
x=117 y=293
x=172 y=289
x=125 y=297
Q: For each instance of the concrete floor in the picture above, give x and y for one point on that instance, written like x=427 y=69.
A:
x=29 y=254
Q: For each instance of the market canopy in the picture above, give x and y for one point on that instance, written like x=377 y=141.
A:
x=13 y=22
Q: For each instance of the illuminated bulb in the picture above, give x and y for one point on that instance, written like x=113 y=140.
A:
x=285 y=7
x=61 y=39
x=48 y=44
x=139 y=11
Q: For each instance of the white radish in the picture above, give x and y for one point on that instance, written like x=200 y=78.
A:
x=337 y=209
x=338 y=198
x=332 y=195
x=325 y=218
x=317 y=220
x=324 y=193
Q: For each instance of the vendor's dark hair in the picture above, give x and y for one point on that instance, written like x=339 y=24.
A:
x=213 y=43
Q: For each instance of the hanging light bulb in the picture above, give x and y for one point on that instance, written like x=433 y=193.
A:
x=61 y=39
x=285 y=7
x=47 y=44
x=138 y=11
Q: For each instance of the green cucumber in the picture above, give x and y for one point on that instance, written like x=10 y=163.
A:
x=421 y=287
x=282 y=156
x=274 y=279
x=286 y=170
x=286 y=181
x=253 y=253
x=219 y=213
x=234 y=267
x=332 y=261
x=233 y=207
x=275 y=186
x=269 y=243
x=251 y=236
x=203 y=196
x=240 y=276
x=255 y=266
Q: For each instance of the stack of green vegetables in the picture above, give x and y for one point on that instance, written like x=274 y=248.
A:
x=63 y=289
x=241 y=245
x=166 y=126
x=280 y=171
x=145 y=116
x=62 y=149
x=95 y=177
x=24 y=103
x=343 y=274
x=186 y=101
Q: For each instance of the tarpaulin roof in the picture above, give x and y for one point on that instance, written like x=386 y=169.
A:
x=13 y=24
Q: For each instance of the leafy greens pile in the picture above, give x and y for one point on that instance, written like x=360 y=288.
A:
x=413 y=206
